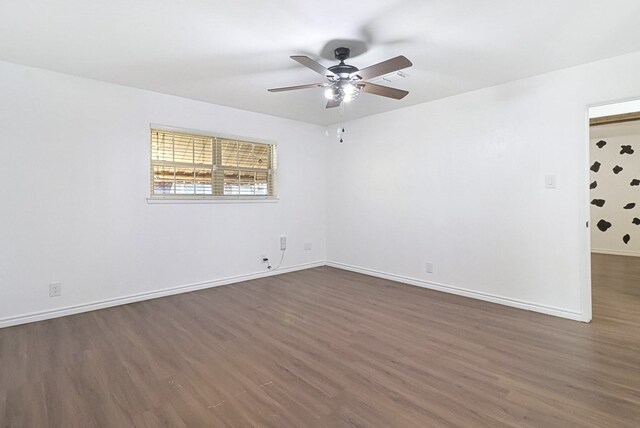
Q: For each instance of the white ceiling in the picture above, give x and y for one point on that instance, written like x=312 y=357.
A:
x=230 y=52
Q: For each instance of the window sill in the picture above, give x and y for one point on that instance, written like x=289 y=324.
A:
x=231 y=200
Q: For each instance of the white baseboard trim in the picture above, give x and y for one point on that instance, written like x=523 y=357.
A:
x=548 y=310
x=107 y=303
x=615 y=252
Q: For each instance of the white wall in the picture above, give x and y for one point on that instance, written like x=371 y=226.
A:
x=459 y=182
x=615 y=191
x=75 y=178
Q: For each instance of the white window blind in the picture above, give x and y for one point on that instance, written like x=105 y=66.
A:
x=189 y=166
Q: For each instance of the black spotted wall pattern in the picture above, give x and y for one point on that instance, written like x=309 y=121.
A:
x=626 y=150
x=615 y=188
x=603 y=225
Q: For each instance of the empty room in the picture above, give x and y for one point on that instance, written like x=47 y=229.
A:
x=385 y=213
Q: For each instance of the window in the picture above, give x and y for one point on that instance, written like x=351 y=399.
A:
x=189 y=166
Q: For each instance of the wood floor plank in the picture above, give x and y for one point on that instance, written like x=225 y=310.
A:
x=326 y=348
x=17 y=414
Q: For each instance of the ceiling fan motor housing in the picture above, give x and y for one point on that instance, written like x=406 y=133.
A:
x=342 y=70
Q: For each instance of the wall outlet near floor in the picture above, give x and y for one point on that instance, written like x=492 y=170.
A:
x=55 y=289
x=428 y=267
x=308 y=246
x=283 y=243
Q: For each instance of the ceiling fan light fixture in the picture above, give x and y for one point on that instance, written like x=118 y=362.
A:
x=352 y=96
x=348 y=88
x=337 y=92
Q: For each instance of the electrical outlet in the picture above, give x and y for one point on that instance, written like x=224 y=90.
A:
x=55 y=289
x=264 y=258
x=283 y=243
x=308 y=246
x=428 y=267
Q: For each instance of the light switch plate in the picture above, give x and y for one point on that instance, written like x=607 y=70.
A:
x=550 y=181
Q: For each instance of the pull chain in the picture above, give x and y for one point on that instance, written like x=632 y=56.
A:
x=340 y=132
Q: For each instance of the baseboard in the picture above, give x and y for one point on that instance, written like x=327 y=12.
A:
x=92 y=306
x=615 y=252
x=548 y=310
x=101 y=304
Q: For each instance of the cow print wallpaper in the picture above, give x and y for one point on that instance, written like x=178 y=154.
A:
x=615 y=190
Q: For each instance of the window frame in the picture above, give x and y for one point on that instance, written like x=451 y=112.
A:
x=216 y=171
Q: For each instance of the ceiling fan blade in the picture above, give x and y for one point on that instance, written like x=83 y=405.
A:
x=333 y=103
x=293 y=88
x=384 y=91
x=317 y=67
x=382 y=68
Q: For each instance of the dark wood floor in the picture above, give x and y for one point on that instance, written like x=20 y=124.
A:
x=329 y=348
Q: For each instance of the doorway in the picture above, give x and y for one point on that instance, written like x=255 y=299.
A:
x=614 y=196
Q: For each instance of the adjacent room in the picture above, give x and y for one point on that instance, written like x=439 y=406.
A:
x=615 y=236
x=391 y=213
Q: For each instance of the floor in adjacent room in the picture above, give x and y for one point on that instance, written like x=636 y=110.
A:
x=329 y=348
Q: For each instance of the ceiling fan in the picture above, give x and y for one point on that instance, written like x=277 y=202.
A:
x=344 y=82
